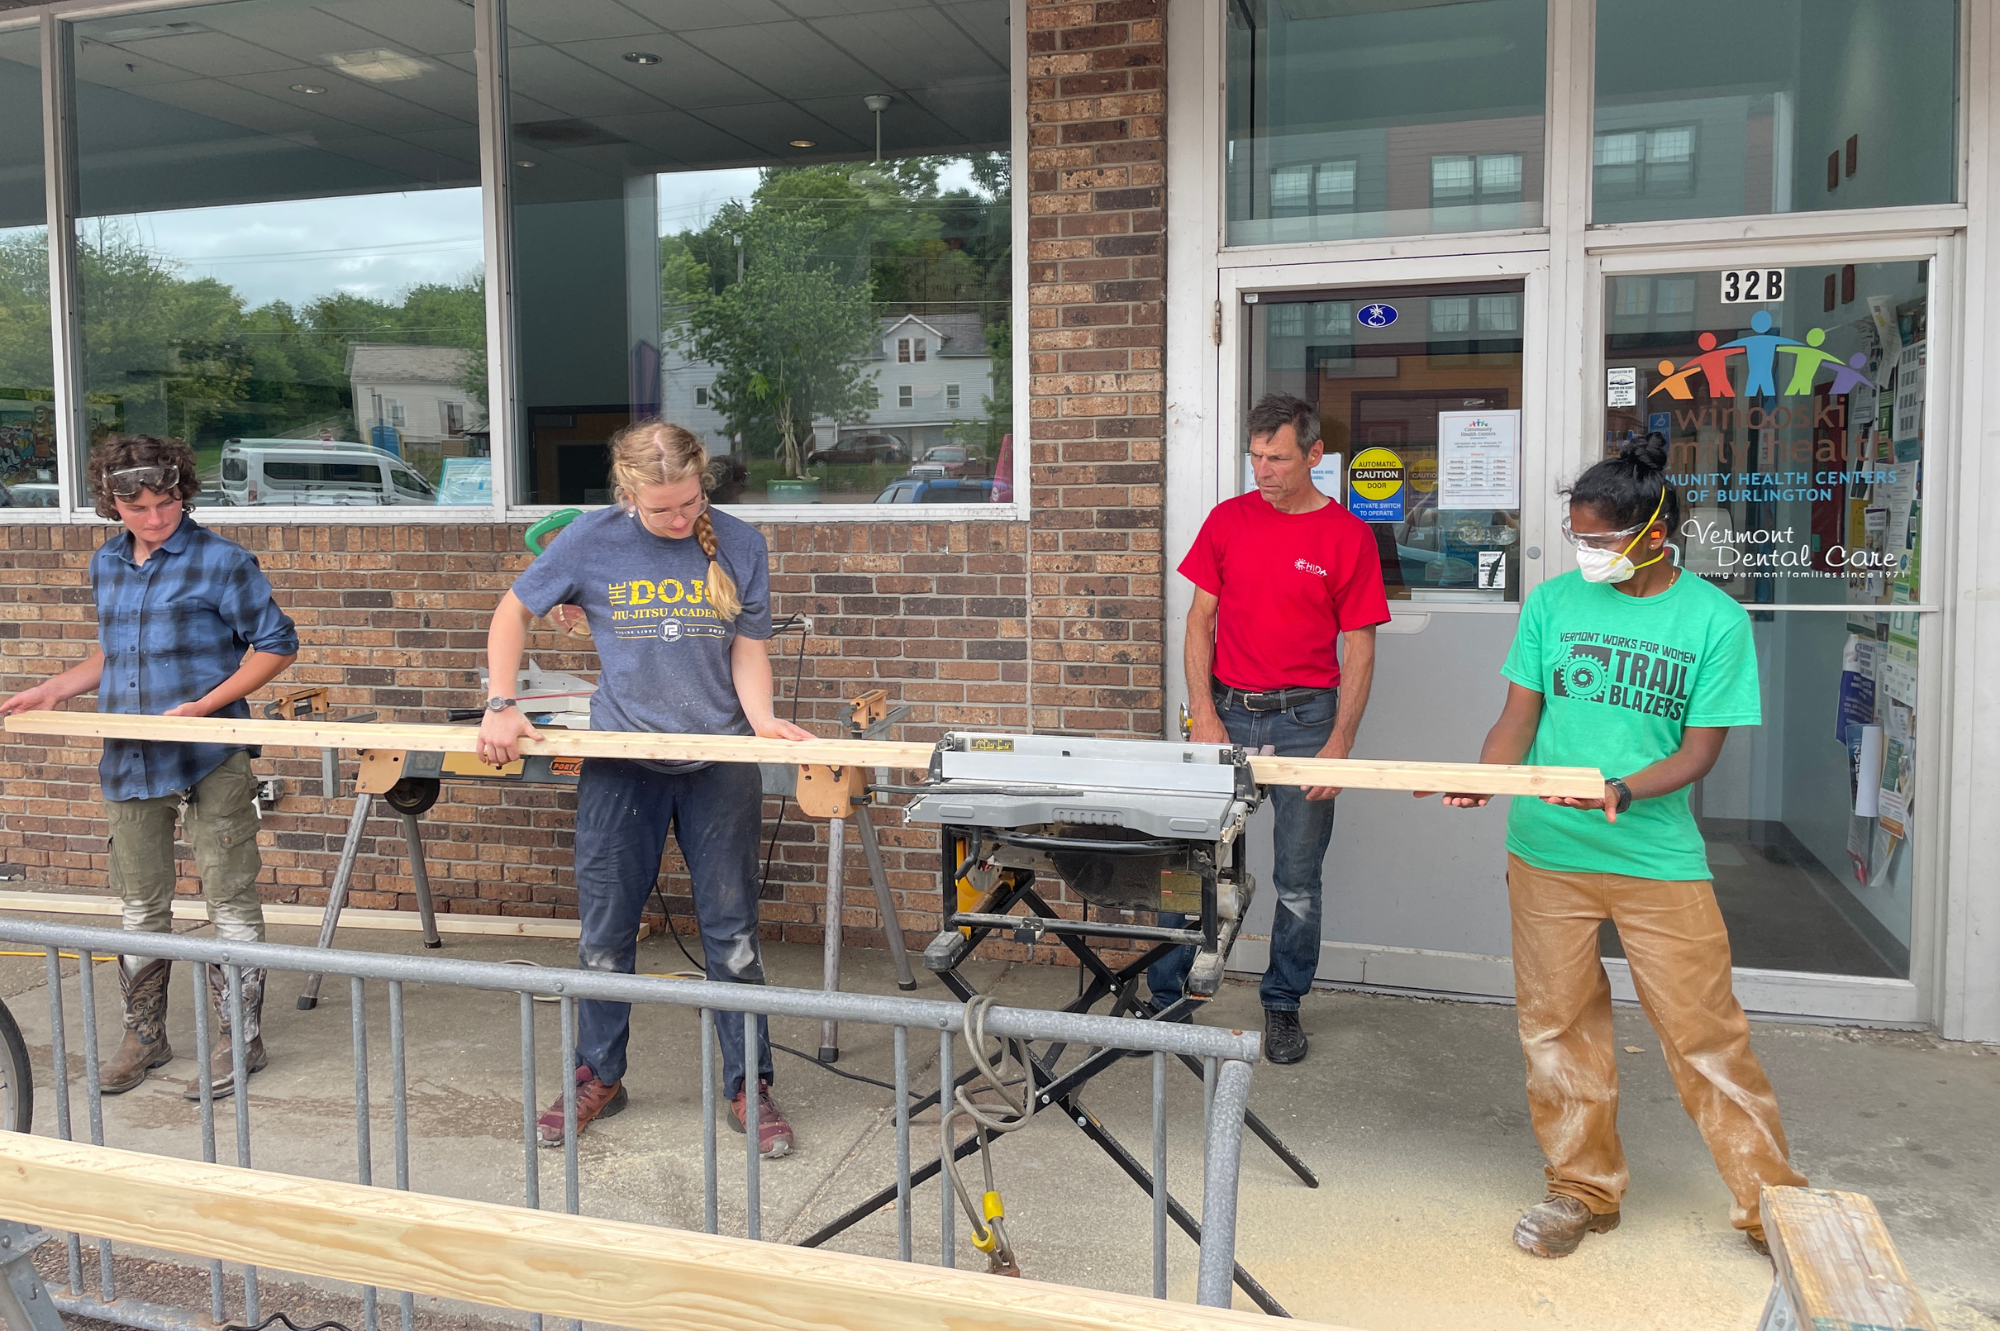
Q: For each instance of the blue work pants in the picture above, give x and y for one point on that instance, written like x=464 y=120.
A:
x=1302 y=831
x=624 y=811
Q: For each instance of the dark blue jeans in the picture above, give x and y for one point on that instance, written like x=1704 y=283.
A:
x=623 y=813
x=1300 y=837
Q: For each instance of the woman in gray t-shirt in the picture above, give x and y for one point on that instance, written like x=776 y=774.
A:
x=678 y=602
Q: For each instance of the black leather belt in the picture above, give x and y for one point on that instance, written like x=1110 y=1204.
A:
x=1272 y=700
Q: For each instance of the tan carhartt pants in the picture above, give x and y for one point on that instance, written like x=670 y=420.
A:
x=1679 y=953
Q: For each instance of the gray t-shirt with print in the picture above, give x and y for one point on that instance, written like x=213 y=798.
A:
x=663 y=648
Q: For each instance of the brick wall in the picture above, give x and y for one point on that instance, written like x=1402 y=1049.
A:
x=1096 y=176
x=949 y=617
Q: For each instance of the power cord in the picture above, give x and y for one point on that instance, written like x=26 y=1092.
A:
x=785 y=801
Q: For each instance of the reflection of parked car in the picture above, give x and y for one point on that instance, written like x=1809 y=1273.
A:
x=860 y=450
x=914 y=489
x=313 y=471
x=28 y=494
x=951 y=460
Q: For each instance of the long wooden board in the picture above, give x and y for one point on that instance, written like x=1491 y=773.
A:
x=1348 y=773
x=606 y=1271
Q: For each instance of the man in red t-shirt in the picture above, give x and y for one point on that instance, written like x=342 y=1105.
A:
x=1278 y=576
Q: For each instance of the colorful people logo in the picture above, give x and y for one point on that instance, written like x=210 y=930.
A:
x=1760 y=351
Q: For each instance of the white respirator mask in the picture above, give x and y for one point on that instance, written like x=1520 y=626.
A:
x=1599 y=565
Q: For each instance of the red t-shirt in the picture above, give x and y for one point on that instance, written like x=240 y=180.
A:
x=1289 y=584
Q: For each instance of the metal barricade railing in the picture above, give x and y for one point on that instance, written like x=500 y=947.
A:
x=1226 y=1057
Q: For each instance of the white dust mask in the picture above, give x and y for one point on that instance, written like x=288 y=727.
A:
x=1598 y=565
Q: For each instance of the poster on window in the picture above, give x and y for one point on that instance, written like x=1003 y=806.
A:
x=1479 y=460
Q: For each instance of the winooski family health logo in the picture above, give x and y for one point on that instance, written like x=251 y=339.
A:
x=1788 y=452
x=1760 y=351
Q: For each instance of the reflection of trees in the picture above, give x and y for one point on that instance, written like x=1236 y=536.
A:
x=185 y=355
x=782 y=294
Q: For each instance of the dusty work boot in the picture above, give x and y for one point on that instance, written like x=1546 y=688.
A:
x=1555 y=1226
x=145 y=1045
x=1284 y=1038
x=221 y=1058
x=1758 y=1243
x=774 y=1135
x=594 y=1100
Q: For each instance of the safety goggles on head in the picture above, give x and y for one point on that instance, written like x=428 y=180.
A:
x=127 y=482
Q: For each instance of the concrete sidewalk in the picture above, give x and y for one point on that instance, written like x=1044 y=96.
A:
x=1411 y=1111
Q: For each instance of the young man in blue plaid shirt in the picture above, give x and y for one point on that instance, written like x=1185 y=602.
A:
x=177 y=607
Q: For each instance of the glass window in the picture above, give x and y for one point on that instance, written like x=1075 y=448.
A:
x=279 y=238
x=702 y=232
x=1797 y=443
x=1795 y=427
x=1361 y=118
x=27 y=363
x=1419 y=394
x=1717 y=108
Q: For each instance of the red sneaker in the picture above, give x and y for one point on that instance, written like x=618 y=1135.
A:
x=594 y=1100
x=774 y=1135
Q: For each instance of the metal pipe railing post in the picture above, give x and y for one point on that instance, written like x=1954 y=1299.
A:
x=399 y=1090
x=364 y=1149
x=239 y=1056
x=204 y=1053
x=1216 y=1272
x=59 y=1080
x=1159 y=1176
x=93 y=1090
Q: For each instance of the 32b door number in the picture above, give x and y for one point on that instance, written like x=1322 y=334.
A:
x=1753 y=286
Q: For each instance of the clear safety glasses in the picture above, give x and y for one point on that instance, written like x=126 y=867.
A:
x=127 y=483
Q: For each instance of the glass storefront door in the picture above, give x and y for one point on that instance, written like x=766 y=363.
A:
x=1793 y=403
x=1420 y=390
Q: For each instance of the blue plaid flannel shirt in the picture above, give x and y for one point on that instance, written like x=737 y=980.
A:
x=172 y=629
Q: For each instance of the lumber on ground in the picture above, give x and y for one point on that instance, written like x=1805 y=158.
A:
x=606 y=1271
x=1836 y=1262
x=1347 y=773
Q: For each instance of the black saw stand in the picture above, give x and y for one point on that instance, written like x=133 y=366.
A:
x=1055 y=1088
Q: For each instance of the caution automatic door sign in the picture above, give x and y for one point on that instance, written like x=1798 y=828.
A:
x=1375 y=485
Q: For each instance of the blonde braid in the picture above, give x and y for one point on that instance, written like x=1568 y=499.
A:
x=721 y=587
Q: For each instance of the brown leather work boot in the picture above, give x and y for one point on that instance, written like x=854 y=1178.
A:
x=221 y=1059
x=1555 y=1226
x=145 y=1045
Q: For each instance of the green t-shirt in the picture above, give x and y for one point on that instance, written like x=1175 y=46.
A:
x=1621 y=677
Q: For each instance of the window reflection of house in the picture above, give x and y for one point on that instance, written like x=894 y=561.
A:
x=929 y=370
x=414 y=400
x=1644 y=163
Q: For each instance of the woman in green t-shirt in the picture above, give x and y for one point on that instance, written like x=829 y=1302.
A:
x=1631 y=666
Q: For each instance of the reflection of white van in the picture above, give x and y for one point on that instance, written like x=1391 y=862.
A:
x=315 y=471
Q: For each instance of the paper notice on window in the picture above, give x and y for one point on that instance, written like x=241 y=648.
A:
x=1889 y=332
x=1479 y=460
x=1897 y=710
x=1909 y=417
x=1329 y=477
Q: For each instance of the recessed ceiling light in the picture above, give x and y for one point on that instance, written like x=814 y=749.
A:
x=805 y=143
x=524 y=164
x=310 y=89
x=642 y=58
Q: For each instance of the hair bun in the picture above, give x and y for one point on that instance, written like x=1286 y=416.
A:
x=1648 y=451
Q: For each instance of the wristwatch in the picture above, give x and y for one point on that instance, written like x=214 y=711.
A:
x=1616 y=783
x=502 y=704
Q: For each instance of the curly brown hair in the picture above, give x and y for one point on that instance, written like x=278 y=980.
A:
x=138 y=450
